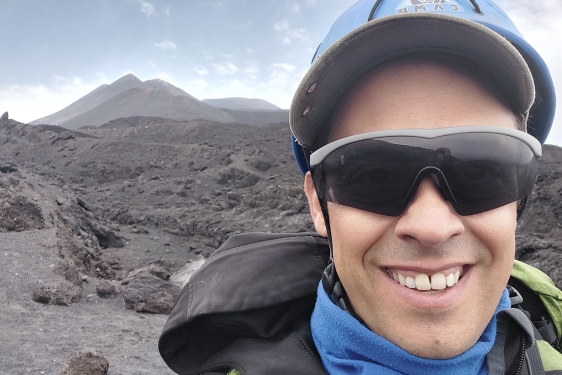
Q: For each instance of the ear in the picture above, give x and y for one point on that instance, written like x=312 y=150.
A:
x=314 y=205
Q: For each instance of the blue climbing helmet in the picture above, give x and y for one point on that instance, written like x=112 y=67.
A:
x=374 y=31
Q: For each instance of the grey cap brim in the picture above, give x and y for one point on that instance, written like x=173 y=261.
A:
x=389 y=37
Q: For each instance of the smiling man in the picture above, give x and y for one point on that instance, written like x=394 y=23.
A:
x=427 y=274
x=417 y=128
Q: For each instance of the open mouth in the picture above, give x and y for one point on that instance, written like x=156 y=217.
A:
x=438 y=281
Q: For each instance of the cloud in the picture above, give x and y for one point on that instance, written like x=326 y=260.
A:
x=146 y=7
x=165 y=76
x=216 y=4
x=167 y=11
x=252 y=69
x=151 y=64
x=196 y=87
x=208 y=56
x=245 y=26
x=288 y=34
x=233 y=87
x=295 y=7
x=26 y=103
x=280 y=26
x=166 y=45
x=280 y=73
x=227 y=68
x=251 y=72
x=201 y=70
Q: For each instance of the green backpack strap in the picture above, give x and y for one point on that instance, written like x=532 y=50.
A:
x=550 y=327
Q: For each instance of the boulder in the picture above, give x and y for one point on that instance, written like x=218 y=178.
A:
x=105 y=289
x=153 y=269
x=62 y=294
x=151 y=294
x=86 y=363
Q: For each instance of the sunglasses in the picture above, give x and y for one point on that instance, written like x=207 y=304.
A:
x=479 y=168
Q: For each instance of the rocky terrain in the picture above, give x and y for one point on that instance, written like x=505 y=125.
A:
x=95 y=223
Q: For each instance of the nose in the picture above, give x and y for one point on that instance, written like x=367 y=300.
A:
x=429 y=218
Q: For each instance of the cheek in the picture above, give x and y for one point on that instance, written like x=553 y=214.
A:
x=354 y=232
x=495 y=230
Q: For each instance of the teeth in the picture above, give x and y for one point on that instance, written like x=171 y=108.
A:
x=425 y=282
x=438 y=281
x=451 y=280
x=422 y=282
x=410 y=283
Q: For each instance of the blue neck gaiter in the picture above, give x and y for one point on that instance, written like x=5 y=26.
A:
x=348 y=347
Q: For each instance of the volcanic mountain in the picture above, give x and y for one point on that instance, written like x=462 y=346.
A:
x=242 y=104
x=129 y=96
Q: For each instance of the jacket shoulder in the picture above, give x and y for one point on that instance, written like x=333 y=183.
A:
x=250 y=303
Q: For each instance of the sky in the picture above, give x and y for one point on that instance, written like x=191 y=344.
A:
x=54 y=52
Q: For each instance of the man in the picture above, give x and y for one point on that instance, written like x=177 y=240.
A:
x=410 y=129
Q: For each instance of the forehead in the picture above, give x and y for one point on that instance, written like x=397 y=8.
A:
x=419 y=92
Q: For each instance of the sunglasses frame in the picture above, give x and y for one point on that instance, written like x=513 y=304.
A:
x=318 y=157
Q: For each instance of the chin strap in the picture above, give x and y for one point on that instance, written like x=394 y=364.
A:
x=330 y=279
x=521 y=207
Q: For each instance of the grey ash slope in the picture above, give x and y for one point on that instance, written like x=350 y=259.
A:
x=148 y=102
x=242 y=104
x=91 y=100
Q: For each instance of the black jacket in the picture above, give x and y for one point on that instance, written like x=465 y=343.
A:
x=248 y=307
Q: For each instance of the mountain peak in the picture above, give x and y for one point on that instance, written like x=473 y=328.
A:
x=128 y=78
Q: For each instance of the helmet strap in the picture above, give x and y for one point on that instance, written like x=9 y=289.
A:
x=330 y=279
x=521 y=207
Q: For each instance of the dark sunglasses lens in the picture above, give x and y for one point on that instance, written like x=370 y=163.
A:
x=483 y=171
x=372 y=175
x=502 y=171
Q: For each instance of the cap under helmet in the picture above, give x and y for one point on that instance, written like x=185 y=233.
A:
x=374 y=31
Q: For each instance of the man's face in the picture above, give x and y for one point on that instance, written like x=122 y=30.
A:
x=429 y=238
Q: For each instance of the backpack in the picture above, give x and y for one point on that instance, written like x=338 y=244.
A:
x=541 y=301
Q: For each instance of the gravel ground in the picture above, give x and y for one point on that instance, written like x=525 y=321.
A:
x=39 y=339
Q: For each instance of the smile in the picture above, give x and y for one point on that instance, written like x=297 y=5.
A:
x=426 y=282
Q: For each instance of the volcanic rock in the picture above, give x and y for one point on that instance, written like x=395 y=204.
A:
x=18 y=213
x=149 y=293
x=62 y=294
x=106 y=289
x=8 y=169
x=86 y=364
x=153 y=269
